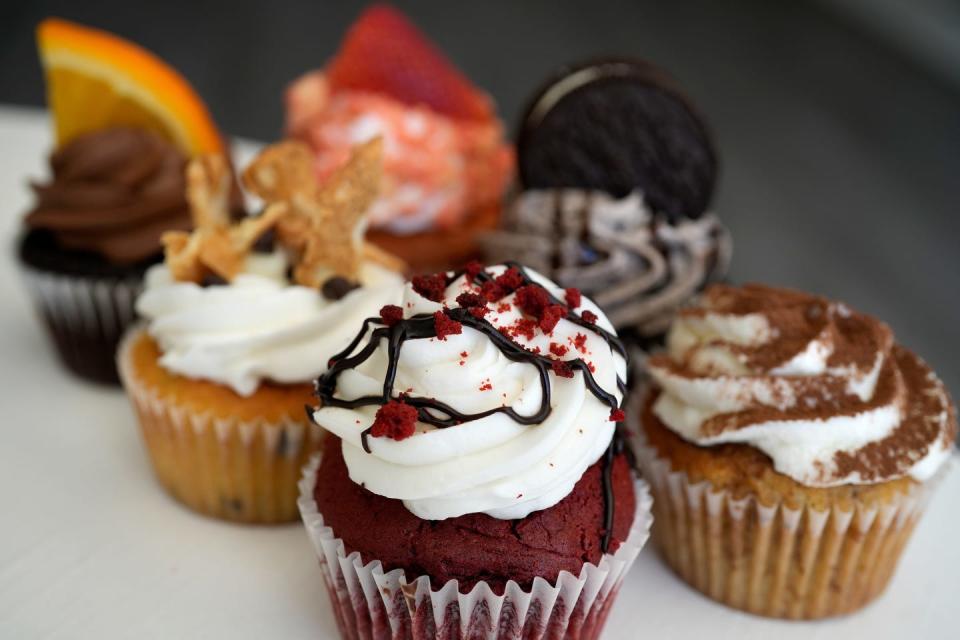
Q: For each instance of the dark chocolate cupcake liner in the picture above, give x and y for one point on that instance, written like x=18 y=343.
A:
x=370 y=603
x=85 y=317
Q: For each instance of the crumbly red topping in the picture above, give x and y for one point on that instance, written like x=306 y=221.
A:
x=431 y=287
x=573 y=297
x=468 y=300
x=580 y=342
x=472 y=269
x=562 y=368
x=391 y=314
x=445 y=325
x=589 y=316
x=558 y=349
x=479 y=312
x=395 y=420
x=617 y=415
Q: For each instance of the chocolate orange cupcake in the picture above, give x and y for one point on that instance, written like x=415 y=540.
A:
x=791 y=445
x=476 y=486
x=446 y=162
x=241 y=318
x=617 y=170
x=117 y=184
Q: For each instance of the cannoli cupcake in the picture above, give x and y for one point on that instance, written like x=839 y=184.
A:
x=126 y=125
x=617 y=171
x=446 y=163
x=241 y=318
x=791 y=445
x=476 y=486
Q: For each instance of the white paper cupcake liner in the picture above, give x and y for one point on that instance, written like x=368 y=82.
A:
x=86 y=317
x=772 y=559
x=372 y=604
x=245 y=471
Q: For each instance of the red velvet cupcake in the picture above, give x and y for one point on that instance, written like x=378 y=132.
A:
x=479 y=485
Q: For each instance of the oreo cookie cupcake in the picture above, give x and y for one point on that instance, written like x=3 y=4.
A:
x=617 y=171
x=791 y=444
x=241 y=318
x=476 y=486
x=117 y=184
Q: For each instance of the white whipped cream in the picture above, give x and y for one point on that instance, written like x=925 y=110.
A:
x=259 y=326
x=707 y=374
x=492 y=465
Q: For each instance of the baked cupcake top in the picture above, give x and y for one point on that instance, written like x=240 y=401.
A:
x=444 y=153
x=823 y=390
x=485 y=391
x=273 y=296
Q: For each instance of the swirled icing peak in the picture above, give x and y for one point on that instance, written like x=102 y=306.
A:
x=821 y=389
x=638 y=266
x=113 y=193
x=485 y=391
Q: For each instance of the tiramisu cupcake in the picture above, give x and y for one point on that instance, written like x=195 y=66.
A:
x=242 y=318
x=446 y=163
x=791 y=445
x=477 y=486
x=126 y=125
x=617 y=171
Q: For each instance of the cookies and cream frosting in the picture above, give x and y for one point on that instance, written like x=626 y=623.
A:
x=823 y=390
x=510 y=388
x=639 y=267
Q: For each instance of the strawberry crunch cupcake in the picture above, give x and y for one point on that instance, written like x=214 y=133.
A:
x=446 y=163
x=477 y=485
x=791 y=444
x=241 y=318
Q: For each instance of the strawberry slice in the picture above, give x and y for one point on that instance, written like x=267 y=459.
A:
x=384 y=52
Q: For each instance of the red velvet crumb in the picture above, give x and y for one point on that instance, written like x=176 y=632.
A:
x=617 y=415
x=551 y=316
x=472 y=269
x=479 y=312
x=431 y=287
x=510 y=279
x=468 y=300
x=532 y=299
x=573 y=297
x=391 y=314
x=491 y=291
x=589 y=317
x=395 y=420
x=445 y=325
x=486 y=386
x=503 y=307
x=558 y=350
x=562 y=368
x=580 y=342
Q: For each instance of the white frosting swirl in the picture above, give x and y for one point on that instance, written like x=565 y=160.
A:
x=259 y=326
x=491 y=465
x=820 y=389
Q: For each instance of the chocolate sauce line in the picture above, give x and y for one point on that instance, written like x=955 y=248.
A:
x=423 y=326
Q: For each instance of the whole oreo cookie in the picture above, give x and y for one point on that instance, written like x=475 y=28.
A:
x=617 y=126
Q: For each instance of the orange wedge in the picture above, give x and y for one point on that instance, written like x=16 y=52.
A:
x=96 y=80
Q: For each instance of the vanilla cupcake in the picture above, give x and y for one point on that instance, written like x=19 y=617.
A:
x=241 y=318
x=477 y=485
x=791 y=445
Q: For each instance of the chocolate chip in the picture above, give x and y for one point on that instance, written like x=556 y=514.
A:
x=211 y=279
x=337 y=287
x=267 y=241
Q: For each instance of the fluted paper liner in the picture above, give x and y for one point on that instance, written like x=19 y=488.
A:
x=774 y=560
x=86 y=317
x=245 y=471
x=371 y=604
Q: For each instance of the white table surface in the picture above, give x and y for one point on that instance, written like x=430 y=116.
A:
x=91 y=547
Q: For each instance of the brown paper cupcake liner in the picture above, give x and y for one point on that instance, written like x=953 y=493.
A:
x=771 y=559
x=85 y=317
x=244 y=471
x=372 y=604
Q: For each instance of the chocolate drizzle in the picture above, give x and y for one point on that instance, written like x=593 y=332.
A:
x=441 y=415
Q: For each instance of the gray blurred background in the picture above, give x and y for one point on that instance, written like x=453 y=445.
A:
x=838 y=121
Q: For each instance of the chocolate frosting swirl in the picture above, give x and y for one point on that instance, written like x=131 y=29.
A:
x=636 y=265
x=113 y=193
